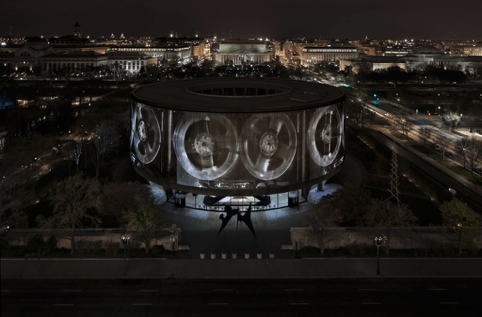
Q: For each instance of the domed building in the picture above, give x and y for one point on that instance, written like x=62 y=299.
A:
x=423 y=56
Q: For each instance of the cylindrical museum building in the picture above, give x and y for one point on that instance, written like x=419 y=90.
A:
x=230 y=141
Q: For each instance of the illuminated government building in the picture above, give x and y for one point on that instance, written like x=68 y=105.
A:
x=313 y=55
x=239 y=52
x=215 y=142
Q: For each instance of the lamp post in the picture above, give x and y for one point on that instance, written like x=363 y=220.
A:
x=464 y=149
x=378 y=243
x=173 y=240
x=125 y=240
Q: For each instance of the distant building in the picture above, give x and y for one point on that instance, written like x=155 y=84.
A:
x=420 y=58
x=131 y=62
x=181 y=53
x=311 y=55
x=474 y=50
x=29 y=55
x=74 y=61
x=372 y=63
x=77 y=30
x=67 y=40
x=239 y=52
x=425 y=55
x=10 y=117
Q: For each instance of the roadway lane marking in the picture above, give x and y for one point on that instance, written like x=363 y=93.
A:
x=367 y=289
x=223 y=290
x=449 y=303
x=371 y=303
x=295 y=290
x=149 y=291
x=71 y=291
x=62 y=305
x=437 y=289
x=300 y=304
x=142 y=304
x=212 y=304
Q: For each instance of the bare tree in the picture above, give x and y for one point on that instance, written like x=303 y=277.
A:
x=445 y=144
x=425 y=134
x=74 y=200
x=103 y=141
x=388 y=216
x=462 y=145
x=403 y=125
x=321 y=220
x=119 y=199
x=459 y=222
x=147 y=221
x=14 y=197
x=358 y=112
x=18 y=166
x=473 y=152
x=452 y=118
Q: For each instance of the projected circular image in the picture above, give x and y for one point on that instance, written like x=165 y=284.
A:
x=325 y=132
x=145 y=133
x=206 y=145
x=268 y=145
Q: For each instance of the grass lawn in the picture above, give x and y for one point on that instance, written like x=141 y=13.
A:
x=401 y=136
x=460 y=170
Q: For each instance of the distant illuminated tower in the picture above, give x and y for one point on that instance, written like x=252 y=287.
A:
x=77 y=32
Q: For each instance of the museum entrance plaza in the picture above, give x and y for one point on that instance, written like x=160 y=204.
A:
x=200 y=230
x=200 y=227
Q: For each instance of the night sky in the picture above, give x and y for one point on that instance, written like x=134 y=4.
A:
x=379 y=19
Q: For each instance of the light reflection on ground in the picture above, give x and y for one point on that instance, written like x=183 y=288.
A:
x=315 y=196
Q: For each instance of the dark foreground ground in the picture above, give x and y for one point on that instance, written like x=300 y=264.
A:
x=255 y=297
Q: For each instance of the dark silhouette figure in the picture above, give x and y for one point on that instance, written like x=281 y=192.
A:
x=225 y=219
x=246 y=218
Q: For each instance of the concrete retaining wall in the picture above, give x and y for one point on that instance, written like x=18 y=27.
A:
x=402 y=238
x=96 y=238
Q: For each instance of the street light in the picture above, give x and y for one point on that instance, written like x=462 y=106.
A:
x=125 y=240
x=378 y=243
x=464 y=149
x=173 y=240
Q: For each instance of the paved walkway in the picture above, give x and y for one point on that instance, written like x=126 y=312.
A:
x=272 y=227
x=242 y=268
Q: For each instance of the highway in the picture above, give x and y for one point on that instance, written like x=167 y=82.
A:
x=257 y=297
x=391 y=110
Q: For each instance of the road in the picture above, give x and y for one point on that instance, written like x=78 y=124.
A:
x=257 y=297
x=390 y=110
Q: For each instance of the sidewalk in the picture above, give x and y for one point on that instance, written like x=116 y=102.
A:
x=241 y=268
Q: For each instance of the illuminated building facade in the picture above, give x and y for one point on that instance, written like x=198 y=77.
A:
x=239 y=52
x=180 y=53
x=130 y=62
x=313 y=55
x=75 y=61
x=237 y=141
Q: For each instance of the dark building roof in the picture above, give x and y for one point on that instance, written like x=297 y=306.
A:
x=234 y=95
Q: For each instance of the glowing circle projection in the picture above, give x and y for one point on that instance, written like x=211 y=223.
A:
x=206 y=145
x=145 y=133
x=268 y=145
x=325 y=133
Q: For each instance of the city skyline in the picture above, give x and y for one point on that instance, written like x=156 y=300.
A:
x=273 y=19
